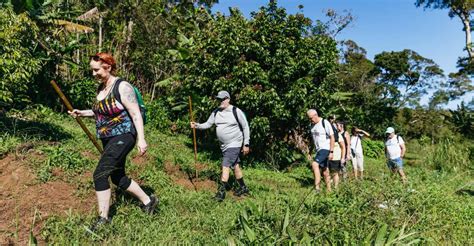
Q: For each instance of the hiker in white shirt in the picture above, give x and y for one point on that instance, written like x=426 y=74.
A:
x=356 y=151
x=323 y=139
x=395 y=151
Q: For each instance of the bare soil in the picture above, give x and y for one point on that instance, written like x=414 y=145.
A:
x=188 y=181
x=22 y=196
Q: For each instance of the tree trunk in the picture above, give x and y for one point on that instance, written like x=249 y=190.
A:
x=467 y=29
x=129 y=37
x=100 y=33
x=78 y=52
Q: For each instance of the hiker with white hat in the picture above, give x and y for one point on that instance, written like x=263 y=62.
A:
x=395 y=151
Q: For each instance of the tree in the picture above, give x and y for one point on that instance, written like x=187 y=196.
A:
x=274 y=67
x=463 y=120
x=406 y=75
x=460 y=8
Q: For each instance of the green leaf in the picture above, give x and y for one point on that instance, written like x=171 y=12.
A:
x=286 y=221
x=248 y=231
x=380 y=239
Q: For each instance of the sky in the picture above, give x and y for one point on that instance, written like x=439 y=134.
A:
x=383 y=25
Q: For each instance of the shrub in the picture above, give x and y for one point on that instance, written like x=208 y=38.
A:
x=18 y=66
x=373 y=148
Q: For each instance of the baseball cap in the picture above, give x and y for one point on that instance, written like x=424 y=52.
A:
x=390 y=130
x=223 y=95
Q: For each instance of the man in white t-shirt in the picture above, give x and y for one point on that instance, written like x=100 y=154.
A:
x=394 y=151
x=323 y=139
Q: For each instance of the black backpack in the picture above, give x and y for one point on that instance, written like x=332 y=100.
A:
x=334 y=129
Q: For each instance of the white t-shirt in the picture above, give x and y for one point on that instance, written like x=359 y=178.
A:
x=356 y=143
x=393 y=147
x=320 y=135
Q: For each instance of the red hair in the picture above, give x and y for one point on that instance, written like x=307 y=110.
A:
x=107 y=59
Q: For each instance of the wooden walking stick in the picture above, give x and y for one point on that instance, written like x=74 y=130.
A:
x=194 y=135
x=78 y=119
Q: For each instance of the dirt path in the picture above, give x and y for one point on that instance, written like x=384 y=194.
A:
x=183 y=179
x=22 y=195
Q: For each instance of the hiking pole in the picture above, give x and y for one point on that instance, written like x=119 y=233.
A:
x=194 y=135
x=78 y=119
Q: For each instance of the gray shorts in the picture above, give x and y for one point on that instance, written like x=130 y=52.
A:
x=231 y=157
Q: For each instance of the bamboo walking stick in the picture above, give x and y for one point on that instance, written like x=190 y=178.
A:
x=78 y=119
x=194 y=135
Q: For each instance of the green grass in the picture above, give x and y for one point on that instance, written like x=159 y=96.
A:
x=282 y=207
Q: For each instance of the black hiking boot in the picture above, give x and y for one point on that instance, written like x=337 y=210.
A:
x=150 y=207
x=242 y=191
x=220 y=195
x=99 y=223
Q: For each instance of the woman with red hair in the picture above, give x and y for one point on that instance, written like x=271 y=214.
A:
x=119 y=125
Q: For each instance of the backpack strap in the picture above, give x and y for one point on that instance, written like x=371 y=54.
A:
x=115 y=90
x=324 y=126
x=398 y=139
x=344 y=137
x=234 y=111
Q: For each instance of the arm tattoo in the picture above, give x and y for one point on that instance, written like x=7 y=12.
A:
x=130 y=94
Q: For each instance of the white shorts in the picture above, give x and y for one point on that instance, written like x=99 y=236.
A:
x=358 y=162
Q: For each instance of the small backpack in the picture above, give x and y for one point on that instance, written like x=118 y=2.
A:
x=141 y=103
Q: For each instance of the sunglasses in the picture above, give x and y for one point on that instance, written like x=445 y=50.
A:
x=98 y=58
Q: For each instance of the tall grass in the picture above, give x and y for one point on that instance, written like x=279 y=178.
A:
x=450 y=156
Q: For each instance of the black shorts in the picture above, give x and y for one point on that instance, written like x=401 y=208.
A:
x=335 y=166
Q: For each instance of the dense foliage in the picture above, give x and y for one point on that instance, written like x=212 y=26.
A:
x=18 y=64
x=275 y=65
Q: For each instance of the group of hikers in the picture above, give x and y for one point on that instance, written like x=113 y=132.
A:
x=335 y=147
x=120 y=126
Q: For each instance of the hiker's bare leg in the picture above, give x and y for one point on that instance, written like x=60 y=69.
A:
x=316 y=174
x=361 y=174
x=103 y=201
x=138 y=192
x=354 y=166
x=238 y=172
x=402 y=175
x=327 y=179
x=225 y=174
x=336 y=179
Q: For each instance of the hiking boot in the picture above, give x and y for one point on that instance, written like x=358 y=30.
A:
x=242 y=191
x=150 y=207
x=99 y=223
x=220 y=195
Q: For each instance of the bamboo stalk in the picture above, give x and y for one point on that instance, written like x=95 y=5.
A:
x=194 y=135
x=78 y=119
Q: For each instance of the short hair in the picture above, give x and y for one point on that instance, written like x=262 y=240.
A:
x=311 y=111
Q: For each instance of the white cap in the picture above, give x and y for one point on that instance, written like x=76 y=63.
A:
x=390 y=130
